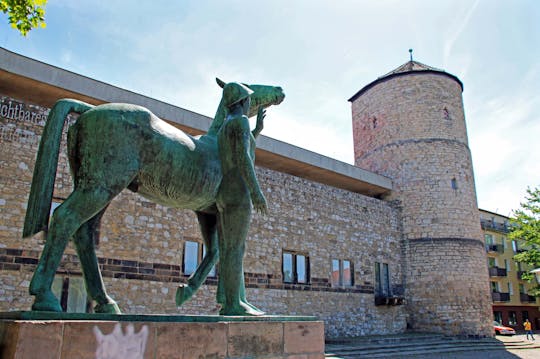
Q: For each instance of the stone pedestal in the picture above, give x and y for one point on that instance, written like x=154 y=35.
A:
x=25 y=335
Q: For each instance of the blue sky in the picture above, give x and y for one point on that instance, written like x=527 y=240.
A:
x=321 y=53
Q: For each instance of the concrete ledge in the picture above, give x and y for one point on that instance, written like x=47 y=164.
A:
x=85 y=339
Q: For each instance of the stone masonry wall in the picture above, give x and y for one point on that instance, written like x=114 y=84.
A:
x=411 y=128
x=141 y=245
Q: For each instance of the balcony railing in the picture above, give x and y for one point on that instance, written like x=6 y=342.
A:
x=497 y=272
x=500 y=297
x=498 y=248
x=520 y=273
x=494 y=226
x=525 y=298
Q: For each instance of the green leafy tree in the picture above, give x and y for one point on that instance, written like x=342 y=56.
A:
x=24 y=15
x=525 y=226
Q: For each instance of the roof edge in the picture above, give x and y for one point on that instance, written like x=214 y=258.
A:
x=398 y=74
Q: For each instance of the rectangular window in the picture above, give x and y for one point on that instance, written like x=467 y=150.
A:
x=514 y=246
x=382 y=279
x=488 y=239
x=497 y=316
x=512 y=319
x=524 y=315
x=193 y=255
x=71 y=293
x=295 y=268
x=507 y=265
x=522 y=289
x=492 y=262
x=510 y=289
x=342 y=273
x=494 y=286
x=212 y=272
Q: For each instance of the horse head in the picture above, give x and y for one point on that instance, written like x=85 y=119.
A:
x=263 y=96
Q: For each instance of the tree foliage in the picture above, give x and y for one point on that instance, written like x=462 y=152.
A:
x=525 y=226
x=24 y=15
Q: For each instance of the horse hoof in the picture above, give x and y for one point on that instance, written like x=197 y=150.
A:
x=183 y=293
x=107 y=308
x=46 y=303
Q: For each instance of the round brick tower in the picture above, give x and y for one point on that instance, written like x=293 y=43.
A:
x=409 y=125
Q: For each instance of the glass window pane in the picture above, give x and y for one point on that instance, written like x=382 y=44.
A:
x=76 y=302
x=335 y=272
x=498 y=317
x=191 y=257
x=378 y=287
x=58 y=283
x=347 y=274
x=385 y=277
x=512 y=320
x=301 y=268
x=287 y=267
x=212 y=272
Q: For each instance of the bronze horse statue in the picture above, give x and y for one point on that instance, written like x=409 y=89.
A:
x=116 y=146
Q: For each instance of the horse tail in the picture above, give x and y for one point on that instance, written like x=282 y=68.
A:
x=41 y=191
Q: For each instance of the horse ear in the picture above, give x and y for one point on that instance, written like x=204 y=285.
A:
x=220 y=82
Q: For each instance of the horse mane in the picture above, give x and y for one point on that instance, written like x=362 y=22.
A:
x=217 y=122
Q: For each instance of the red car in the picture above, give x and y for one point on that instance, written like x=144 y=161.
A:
x=502 y=330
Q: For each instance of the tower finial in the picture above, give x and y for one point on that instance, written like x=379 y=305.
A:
x=410 y=53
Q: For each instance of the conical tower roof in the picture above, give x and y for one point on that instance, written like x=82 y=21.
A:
x=410 y=67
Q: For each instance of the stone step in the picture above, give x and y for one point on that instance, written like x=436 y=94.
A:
x=404 y=344
x=413 y=345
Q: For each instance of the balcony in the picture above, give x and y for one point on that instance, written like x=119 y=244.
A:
x=494 y=248
x=525 y=298
x=497 y=272
x=494 y=226
x=500 y=297
x=520 y=273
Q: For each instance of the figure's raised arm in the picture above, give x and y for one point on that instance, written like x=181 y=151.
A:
x=261 y=114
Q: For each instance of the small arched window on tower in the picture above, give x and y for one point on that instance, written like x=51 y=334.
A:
x=453 y=182
x=446 y=114
x=374 y=122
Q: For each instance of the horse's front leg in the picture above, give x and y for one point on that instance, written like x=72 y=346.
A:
x=208 y=226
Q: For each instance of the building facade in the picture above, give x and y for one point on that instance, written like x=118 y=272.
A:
x=357 y=246
x=511 y=302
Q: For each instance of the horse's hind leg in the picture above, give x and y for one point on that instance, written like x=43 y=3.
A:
x=208 y=226
x=84 y=240
x=78 y=208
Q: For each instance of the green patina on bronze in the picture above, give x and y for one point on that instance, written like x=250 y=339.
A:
x=116 y=146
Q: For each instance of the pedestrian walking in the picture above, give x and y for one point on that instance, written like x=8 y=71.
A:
x=528 y=329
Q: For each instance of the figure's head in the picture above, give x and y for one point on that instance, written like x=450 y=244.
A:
x=235 y=93
x=262 y=96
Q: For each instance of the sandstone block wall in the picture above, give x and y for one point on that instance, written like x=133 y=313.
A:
x=411 y=128
x=141 y=245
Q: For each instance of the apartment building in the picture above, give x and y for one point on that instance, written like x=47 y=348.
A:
x=512 y=303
